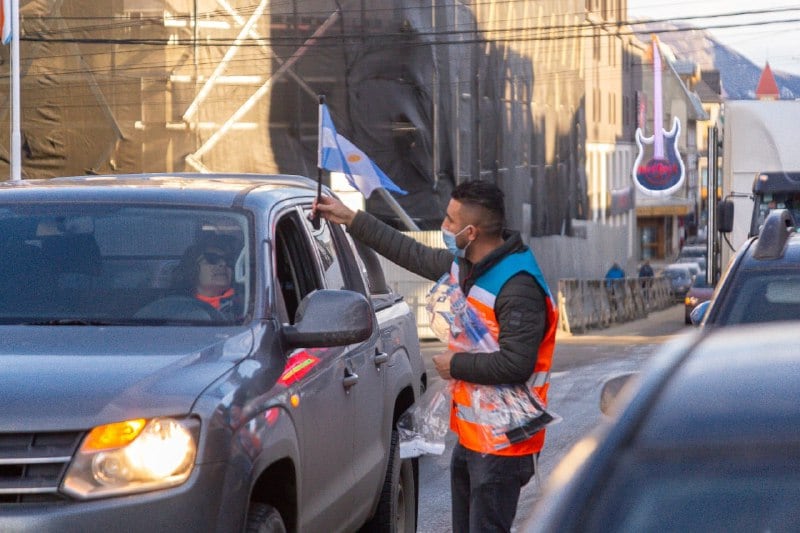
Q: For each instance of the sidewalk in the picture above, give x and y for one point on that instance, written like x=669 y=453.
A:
x=656 y=327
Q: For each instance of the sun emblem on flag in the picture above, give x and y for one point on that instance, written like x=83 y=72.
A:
x=353 y=158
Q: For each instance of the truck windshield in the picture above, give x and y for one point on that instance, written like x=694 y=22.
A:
x=101 y=264
x=767 y=202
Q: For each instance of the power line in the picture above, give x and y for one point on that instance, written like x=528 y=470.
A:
x=543 y=75
x=337 y=40
x=618 y=25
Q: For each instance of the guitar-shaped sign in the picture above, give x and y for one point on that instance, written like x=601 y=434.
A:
x=664 y=172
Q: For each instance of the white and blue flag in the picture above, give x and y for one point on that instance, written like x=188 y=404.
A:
x=5 y=21
x=337 y=154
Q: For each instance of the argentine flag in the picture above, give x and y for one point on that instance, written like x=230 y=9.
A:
x=337 y=154
x=5 y=20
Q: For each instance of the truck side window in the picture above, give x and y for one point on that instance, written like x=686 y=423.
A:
x=329 y=258
x=295 y=268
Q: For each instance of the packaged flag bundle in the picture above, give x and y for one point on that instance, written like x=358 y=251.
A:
x=506 y=414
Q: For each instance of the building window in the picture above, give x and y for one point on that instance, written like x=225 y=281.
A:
x=655 y=234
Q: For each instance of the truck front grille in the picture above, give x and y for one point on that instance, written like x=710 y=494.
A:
x=33 y=464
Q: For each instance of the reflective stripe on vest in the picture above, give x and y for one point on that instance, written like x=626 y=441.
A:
x=538 y=380
x=482 y=297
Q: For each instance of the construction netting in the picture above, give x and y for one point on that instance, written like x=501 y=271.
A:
x=432 y=91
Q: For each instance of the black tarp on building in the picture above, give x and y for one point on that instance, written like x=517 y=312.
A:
x=435 y=95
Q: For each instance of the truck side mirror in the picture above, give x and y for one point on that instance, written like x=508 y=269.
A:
x=330 y=318
x=725 y=216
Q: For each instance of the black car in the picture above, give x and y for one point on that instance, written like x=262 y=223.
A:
x=707 y=438
x=762 y=283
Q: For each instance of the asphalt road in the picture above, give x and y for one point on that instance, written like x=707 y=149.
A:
x=581 y=363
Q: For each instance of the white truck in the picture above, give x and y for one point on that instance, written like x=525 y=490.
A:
x=760 y=169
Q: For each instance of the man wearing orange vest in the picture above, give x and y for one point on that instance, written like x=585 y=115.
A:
x=501 y=279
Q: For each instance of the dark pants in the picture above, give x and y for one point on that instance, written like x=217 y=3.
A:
x=485 y=489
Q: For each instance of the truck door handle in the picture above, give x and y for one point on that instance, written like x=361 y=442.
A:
x=380 y=358
x=350 y=379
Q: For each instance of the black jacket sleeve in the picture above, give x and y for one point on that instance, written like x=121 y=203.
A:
x=399 y=248
x=521 y=313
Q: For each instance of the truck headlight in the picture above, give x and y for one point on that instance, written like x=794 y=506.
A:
x=133 y=456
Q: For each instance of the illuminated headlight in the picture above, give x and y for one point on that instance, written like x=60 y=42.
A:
x=133 y=456
x=691 y=300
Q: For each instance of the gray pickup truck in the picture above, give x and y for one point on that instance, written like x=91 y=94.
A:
x=134 y=399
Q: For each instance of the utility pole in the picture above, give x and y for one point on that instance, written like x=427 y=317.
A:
x=16 y=106
x=712 y=238
x=435 y=96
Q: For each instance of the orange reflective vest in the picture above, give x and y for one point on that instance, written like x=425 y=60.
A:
x=482 y=295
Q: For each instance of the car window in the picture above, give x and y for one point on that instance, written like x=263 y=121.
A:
x=675 y=273
x=112 y=264
x=692 y=251
x=340 y=269
x=761 y=296
x=772 y=201
x=783 y=291
x=322 y=238
x=295 y=267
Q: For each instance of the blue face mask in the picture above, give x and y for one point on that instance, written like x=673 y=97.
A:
x=449 y=239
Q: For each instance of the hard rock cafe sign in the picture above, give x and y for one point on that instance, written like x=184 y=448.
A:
x=658 y=169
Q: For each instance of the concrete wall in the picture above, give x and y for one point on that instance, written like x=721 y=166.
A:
x=584 y=258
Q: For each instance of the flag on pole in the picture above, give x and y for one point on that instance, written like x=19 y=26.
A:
x=5 y=19
x=337 y=154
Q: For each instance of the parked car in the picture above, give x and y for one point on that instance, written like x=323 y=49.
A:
x=700 y=261
x=762 y=283
x=707 y=438
x=693 y=250
x=699 y=292
x=699 y=240
x=680 y=279
x=128 y=403
x=693 y=266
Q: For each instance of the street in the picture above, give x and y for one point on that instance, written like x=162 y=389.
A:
x=581 y=364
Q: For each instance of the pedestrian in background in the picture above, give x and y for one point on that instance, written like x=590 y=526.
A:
x=494 y=267
x=646 y=275
x=646 y=271
x=615 y=272
x=613 y=278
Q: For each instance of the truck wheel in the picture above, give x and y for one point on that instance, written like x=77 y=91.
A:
x=263 y=518
x=397 y=509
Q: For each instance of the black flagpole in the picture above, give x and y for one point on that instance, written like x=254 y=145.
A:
x=315 y=218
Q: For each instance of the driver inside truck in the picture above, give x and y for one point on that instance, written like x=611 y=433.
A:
x=792 y=203
x=205 y=272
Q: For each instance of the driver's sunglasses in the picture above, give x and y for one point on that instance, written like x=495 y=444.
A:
x=212 y=258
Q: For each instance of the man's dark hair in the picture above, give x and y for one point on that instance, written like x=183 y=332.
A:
x=487 y=196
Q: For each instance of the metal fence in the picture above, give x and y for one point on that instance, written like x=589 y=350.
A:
x=582 y=304
x=598 y=303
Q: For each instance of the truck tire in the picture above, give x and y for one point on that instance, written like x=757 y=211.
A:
x=397 y=509
x=263 y=518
